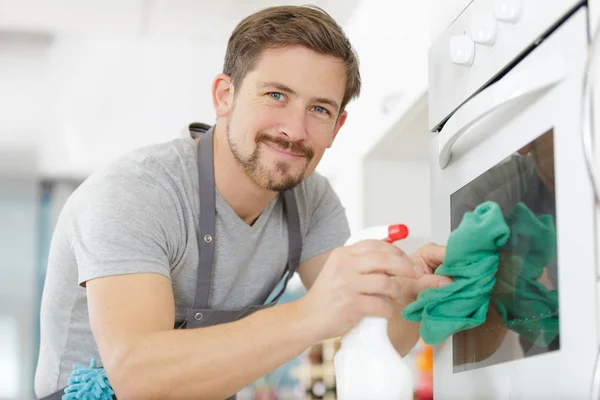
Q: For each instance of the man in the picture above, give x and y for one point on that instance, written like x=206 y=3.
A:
x=159 y=241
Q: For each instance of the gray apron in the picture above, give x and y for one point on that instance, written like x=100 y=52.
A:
x=200 y=315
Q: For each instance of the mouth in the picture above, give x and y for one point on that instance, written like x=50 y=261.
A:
x=284 y=152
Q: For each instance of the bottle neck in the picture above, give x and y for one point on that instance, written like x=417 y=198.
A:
x=369 y=331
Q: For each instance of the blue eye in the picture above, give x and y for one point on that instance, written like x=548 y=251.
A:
x=320 y=110
x=276 y=96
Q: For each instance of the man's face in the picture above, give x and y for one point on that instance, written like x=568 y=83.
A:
x=284 y=114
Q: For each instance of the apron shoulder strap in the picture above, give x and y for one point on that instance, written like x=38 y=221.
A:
x=206 y=236
x=294 y=230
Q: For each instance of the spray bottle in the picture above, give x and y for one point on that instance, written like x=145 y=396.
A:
x=367 y=366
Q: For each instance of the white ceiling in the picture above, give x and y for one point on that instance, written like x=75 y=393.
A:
x=203 y=19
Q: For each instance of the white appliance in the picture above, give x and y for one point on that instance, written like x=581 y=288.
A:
x=505 y=85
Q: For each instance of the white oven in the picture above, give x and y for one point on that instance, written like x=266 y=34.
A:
x=505 y=90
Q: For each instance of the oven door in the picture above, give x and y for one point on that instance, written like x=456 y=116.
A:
x=517 y=143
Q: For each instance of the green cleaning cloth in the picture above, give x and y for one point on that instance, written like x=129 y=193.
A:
x=471 y=261
x=526 y=305
x=522 y=244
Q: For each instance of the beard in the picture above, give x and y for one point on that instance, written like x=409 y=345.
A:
x=277 y=178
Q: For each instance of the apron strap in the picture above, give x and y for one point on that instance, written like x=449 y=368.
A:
x=294 y=231
x=206 y=238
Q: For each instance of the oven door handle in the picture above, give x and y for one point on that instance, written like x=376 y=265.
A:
x=506 y=90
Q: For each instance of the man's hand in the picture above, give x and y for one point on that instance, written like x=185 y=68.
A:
x=426 y=260
x=370 y=277
x=404 y=334
x=429 y=257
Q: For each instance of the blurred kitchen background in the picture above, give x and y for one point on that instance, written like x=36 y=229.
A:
x=83 y=81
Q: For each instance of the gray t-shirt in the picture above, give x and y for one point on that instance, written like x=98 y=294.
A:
x=140 y=215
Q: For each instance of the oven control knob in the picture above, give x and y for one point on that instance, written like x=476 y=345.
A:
x=483 y=29
x=462 y=50
x=507 y=10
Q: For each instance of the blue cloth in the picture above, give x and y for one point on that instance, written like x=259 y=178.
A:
x=88 y=383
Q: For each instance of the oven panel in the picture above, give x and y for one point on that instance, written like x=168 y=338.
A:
x=516 y=145
x=481 y=42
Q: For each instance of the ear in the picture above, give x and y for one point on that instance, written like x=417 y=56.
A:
x=338 y=124
x=222 y=94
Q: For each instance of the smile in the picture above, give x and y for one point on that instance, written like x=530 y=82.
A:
x=284 y=152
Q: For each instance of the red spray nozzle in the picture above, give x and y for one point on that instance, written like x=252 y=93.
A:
x=396 y=232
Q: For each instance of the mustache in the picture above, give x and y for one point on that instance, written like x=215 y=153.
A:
x=294 y=147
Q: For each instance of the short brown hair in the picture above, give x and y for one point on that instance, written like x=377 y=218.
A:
x=281 y=26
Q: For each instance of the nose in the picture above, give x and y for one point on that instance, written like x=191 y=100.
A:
x=294 y=126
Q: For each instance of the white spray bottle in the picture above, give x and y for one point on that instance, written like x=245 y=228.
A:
x=367 y=366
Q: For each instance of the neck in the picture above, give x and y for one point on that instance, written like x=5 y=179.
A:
x=243 y=195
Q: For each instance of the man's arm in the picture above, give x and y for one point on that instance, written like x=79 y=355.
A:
x=310 y=269
x=132 y=321
x=132 y=318
x=131 y=308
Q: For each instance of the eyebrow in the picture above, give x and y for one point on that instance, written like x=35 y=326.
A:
x=284 y=88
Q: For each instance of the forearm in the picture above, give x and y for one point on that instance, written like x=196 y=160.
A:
x=213 y=362
x=403 y=334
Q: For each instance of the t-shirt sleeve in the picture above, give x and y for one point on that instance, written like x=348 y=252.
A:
x=327 y=224
x=121 y=225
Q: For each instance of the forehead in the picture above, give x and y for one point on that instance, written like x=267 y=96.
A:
x=305 y=71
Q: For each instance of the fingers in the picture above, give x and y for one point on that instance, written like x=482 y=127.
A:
x=427 y=269
x=432 y=255
x=371 y=245
x=412 y=287
x=387 y=263
x=378 y=284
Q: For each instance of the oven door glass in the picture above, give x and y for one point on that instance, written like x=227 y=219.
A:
x=525 y=296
